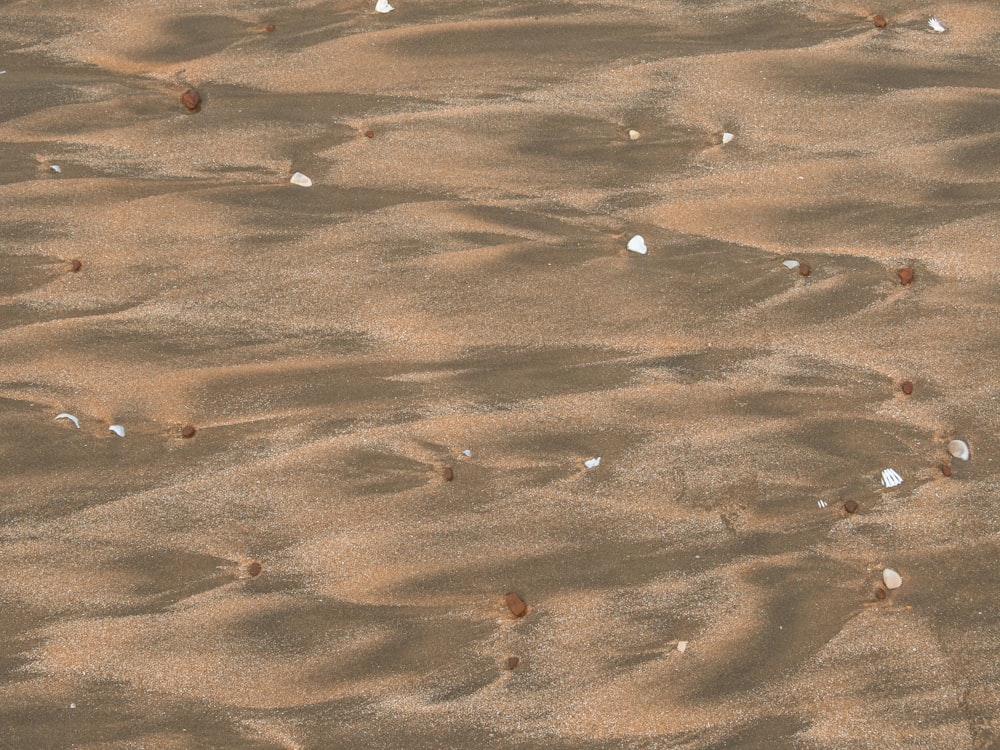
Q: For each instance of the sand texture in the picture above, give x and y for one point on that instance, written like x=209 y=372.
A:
x=396 y=375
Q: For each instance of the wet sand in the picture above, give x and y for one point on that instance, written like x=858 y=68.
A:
x=301 y=572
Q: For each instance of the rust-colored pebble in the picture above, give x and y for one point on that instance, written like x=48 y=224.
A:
x=804 y=269
x=880 y=22
x=512 y=662
x=880 y=593
x=254 y=569
x=191 y=100
x=946 y=470
x=905 y=275
x=369 y=134
x=448 y=473
x=850 y=506
x=75 y=266
x=269 y=27
x=516 y=604
x=907 y=387
x=188 y=431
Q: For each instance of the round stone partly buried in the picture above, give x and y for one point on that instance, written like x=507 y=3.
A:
x=891 y=579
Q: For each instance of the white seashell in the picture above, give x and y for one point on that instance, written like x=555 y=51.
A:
x=637 y=245
x=821 y=503
x=55 y=168
x=118 y=430
x=936 y=25
x=382 y=6
x=891 y=579
x=890 y=478
x=301 y=180
x=790 y=264
x=959 y=449
x=70 y=417
x=727 y=137
x=467 y=453
x=633 y=135
x=592 y=463
x=682 y=646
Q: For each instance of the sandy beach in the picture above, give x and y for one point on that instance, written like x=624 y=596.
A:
x=358 y=414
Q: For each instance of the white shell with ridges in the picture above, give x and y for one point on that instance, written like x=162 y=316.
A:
x=936 y=25
x=890 y=478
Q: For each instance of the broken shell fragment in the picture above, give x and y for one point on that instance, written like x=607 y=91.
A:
x=118 y=429
x=959 y=449
x=727 y=137
x=891 y=579
x=791 y=265
x=301 y=180
x=936 y=25
x=55 y=168
x=592 y=463
x=633 y=135
x=890 y=478
x=682 y=646
x=821 y=504
x=637 y=244
x=383 y=6
x=70 y=417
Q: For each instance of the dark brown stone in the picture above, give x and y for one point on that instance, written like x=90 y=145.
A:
x=946 y=470
x=907 y=387
x=905 y=275
x=516 y=604
x=369 y=134
x=512 y=662
x=880 y=22
x=269 y=27
x=448 y=473
x=850 y=506
x=75 y=266
x=880 y=593
x=188 y=431
x=804 y=269
x=191 y=100
x=254 y=569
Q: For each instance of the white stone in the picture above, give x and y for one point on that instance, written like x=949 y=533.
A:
x=637 y=245
x=959 y=449
x=891 y=579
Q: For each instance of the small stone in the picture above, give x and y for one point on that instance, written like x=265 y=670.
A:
x=634 y=135
x=512 y=662
x=269 y=27
x=254 y=569
x=880 y=22
x=516 y=604
x=880 y=593
x=188 y=431
x=75 y=266
x=850 y=506
x=369 y=134
x=905 y=275
x=907 y=387
x=191 y=100
x=804 y=269
x=682 y=646
x=891 y=579
x=448 y=473
x=946 y=470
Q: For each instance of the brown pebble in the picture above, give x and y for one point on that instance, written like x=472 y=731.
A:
x=880 y=22
x=75 y=266
x=905 y=275
x=369 y=134
x=804 y=269
x=188 y=431
x=269 y=27
x=512 y=662
x=880 y=593
x=946 y=470
x=254 y=569
x=850 y=506
x=448 y=473
x=191 y=100
x=907 y=387
x=516 y=604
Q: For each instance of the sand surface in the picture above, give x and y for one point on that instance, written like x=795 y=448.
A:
x=457 y=279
